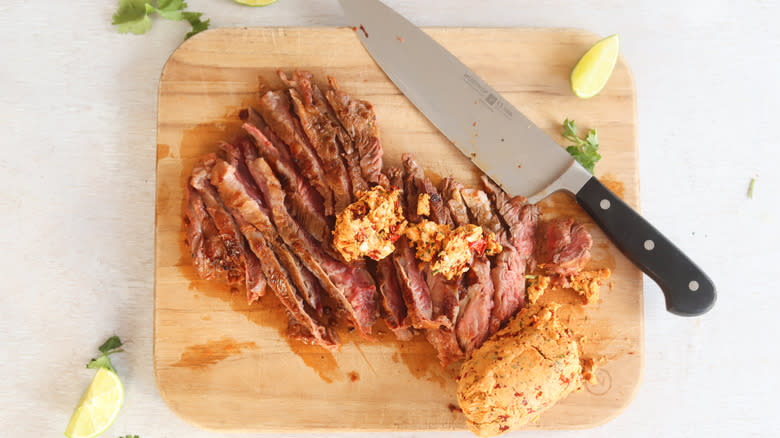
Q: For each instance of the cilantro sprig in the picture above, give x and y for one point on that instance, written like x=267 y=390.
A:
x=111 y=346
x=133 y=15
x=585 y=151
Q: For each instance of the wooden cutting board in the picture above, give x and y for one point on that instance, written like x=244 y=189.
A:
x=223 y=365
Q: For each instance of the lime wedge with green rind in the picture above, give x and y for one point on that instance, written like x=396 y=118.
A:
x=594 y=68
x=98 y=407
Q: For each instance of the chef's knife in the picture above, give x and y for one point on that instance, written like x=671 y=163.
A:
x=445 y=90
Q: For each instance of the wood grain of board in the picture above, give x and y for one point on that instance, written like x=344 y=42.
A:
x=223 y=365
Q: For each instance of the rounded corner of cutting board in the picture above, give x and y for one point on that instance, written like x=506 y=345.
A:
x=612 y=414
x=168 y=399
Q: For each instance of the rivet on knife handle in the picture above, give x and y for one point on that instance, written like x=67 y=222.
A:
x=688 y=290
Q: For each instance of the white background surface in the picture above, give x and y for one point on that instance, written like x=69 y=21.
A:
x=77 y=129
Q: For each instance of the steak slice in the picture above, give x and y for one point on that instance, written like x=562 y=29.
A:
x=275 y=110
x=446 y=344
x=393 y=307
x=414 y=288
x=474 y=320
x=451 y=191
x=563 y=246
x=395 y=178
x=243 y=260
x=255 y=224
x=305 y=203
x=322 y=136
x=482 y=212
x=359 y=121
x=417 y=183
x=303 y=279
x=520 y=217
x=206 y=247
x=350 y=285
x=444 y=299
x=508 y=275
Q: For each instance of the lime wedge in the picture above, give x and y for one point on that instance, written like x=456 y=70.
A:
x=593 y=70
x=255 y=2
x=98 y=407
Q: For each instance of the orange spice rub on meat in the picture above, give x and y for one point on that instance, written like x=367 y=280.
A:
x=586 y=283
x=370 y=226
x=449 y=251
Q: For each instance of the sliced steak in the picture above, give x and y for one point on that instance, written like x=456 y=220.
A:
x=474 y=319
x=451 y=191
x=253 y=219
x=416 y=183
x=322 y=136
x=206 y=247
x=359 y=121
x=243 y=261
x=393 y=307
x=275 y=110
x=563 y=246
x=445 y=307
x=508 y=275
x=481 y=210
x=395 y=177
x=520 y=217
x=235 y=157
x=414 y=288
x=396 y=312
x=350 y=285
x=446 y=344
x=443 y=293
x=303 y=279
x=305 y=84
x=233 y=262
x=304 y=202
x=507 y=268
x=516 y=258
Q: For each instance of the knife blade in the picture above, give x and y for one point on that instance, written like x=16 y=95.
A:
x=513 y=151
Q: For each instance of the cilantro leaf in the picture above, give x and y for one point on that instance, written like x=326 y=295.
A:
x=108 y=348
x=111 y=344
x=197 y=24
x=129 y=436
x=132 y=17
x=169 y=9
x=584 y=151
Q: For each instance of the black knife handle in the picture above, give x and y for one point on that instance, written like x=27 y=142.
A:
x=688 y=290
